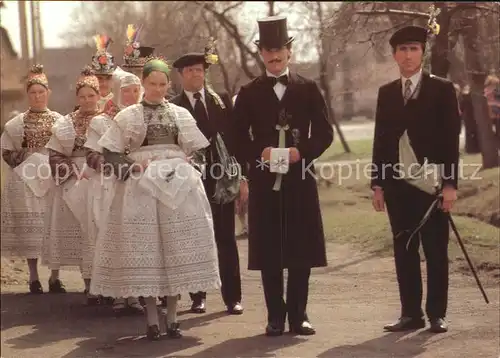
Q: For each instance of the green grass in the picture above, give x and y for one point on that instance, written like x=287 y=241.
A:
x=350 y=219
x=360 y=149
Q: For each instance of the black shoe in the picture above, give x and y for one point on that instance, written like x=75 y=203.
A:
x=274 y=329
x=235 y=308
x=153 y=333
x=303 y=329
x=198 y=306
x=56 y=286
x=173 y=331
x=438 y=325
x=36 y=287
x=405 y=324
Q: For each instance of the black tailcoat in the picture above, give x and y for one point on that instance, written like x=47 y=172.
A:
x=223 y=214
x=433 y=124
x=285 y=227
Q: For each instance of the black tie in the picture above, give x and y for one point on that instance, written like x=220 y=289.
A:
x=283 y=79
x=200 y=114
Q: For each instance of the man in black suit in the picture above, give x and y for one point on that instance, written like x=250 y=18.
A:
x=423 y=107
x=282 y=126
x=213 y=112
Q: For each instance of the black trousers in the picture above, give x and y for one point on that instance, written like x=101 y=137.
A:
x=296 y=295
x=406 y=206
x=227 y=249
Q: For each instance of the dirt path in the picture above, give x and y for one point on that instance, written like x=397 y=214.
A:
x=349 y=303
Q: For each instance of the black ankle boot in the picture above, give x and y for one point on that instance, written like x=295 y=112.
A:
x=56 y=286
x=153 y=333
x=36 y=287
x=173 y=330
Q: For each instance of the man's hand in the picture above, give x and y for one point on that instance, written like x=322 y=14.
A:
x=266 y=154
x=449 y=198
x=294 y=155
x=378 y=199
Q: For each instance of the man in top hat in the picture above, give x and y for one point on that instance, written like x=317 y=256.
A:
x=424 y=108
x=212 y=112
x=103 y=65
x=282 y=126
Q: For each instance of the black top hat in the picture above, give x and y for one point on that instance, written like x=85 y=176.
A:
x=273 y=32
x=136 y=56
x=409 y=34
x=190 y=59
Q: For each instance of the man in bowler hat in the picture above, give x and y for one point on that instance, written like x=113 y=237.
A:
x=212 y=112
x=282 y=126
x=425 y=106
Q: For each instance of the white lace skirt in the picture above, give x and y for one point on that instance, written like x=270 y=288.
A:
x=146 y=248
x=68 y=243
x=23 y=217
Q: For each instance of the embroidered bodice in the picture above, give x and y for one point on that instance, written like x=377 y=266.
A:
x=81 y=123
x=161 y=126
x=37 y=128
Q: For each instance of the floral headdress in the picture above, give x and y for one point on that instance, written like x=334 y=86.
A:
x=37 y=76
x=87 y=79
x=136 y=55
x=103 y=61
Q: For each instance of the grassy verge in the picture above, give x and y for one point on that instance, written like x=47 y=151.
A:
x=360 y=149
x=349 y=218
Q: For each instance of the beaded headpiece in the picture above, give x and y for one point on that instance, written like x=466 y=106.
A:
x=103 y=61
x=135 y=55
x=36 y=76
x=87 y=79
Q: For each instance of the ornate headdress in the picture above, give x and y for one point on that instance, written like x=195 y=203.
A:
x=135 y=55
x=87 y=79
x=103 y=61
x=36 y=76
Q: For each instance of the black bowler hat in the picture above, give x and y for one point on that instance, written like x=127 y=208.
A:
x=273 y=33
x=409 y=34
x=191 y=59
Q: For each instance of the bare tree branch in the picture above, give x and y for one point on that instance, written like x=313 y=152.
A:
x=393 y=12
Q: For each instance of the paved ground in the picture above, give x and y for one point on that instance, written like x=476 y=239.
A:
x=349 y=303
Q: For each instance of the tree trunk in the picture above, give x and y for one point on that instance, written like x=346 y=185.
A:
x=487 y=141
x=324 y=78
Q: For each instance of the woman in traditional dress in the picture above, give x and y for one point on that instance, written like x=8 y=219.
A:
x=157 y=239
x=103 y=65
x=27 y=194
x=126 y=91
x=68 y=243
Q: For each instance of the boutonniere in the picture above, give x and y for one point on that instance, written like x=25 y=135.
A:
x=283 y=121
x=216 y=97
x=296 y=136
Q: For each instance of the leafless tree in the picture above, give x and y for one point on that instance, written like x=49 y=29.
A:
x=457 y=20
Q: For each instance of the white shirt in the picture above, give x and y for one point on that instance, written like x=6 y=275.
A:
x=192 y=100
x=415 y=79
x=279 y=88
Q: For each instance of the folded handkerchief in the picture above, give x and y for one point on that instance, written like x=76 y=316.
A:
x=279 y=161
x=35 y=172
x=170 y=180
